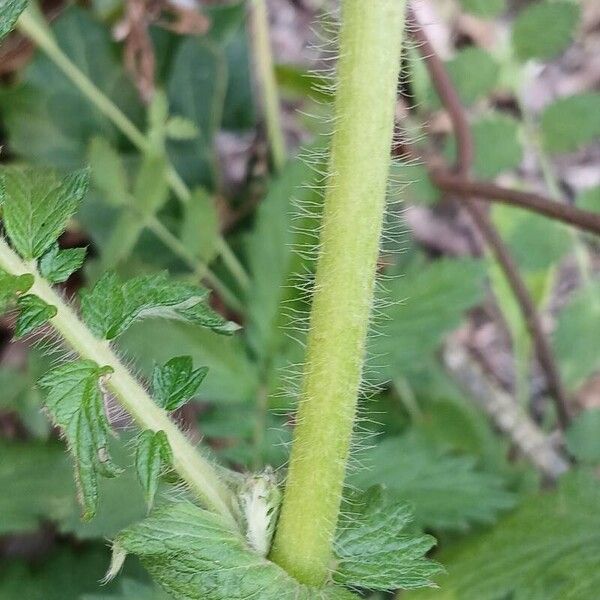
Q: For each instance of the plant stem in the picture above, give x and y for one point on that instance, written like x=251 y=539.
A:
x=33 y=26
x=370 y=43
x=263 y=57
x=195 y=470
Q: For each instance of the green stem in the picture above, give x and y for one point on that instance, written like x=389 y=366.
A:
x=368 y=69
x=194 y=469
x=33 y=26
x=263 y=57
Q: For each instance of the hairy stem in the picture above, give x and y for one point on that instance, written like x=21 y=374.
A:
x=195 y=470
x=368 y=71
x=33 y=26
x=263 y=58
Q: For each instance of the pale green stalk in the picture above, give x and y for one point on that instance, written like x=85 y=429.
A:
x=263 y=58
x=195 y=470
x=33 y=26
x=370 y=44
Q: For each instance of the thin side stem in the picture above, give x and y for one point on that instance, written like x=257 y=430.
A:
x=194 y=469
x=368 y=69
x=263 y=58
x=31 y=26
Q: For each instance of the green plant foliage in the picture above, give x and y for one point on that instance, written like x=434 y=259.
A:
x=76 y=405
x=446 y=491
x=544 y=29
x=58 y=265
x=152 y=456
x=439 y=295
x=549 y=548
x=375 y=551
x=497 y=145
x=200 y=226
x=11 y=286
x=33 y=313
x=38 y=205
x=583 y=436
x=487 y=9
x=131 y=590
x=108 y=172
x=571 y=122
x=589 y=199
x=49 y=121
x=10 y=10
x=220 y=567
x=110 y=308
x=577 y=334
x=176 y=382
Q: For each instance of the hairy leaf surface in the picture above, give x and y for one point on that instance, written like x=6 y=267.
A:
x=34 y=313
x=76 y=405
x=176 y=382
x=152 y=455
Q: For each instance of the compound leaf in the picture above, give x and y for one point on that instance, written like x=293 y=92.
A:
x=58 y=265
x=37 y=206
x=194 y=555
x=10 y=10
x=176 y=382
x=76 y=405
x=373 y=549
x=153 y=454
x=447 y=492
x=34 y=312
x=544 y=29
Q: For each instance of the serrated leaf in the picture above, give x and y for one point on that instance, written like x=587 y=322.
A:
x=37 y=206
x=58 y=265
x=374 y=551
x=175 y=383
x=152 y=456
x=576 y=337
x=583 y=436
x=11 y=286
x=548 y=549
x=571 y=122
x=110 y=308
x=446 y=491
x=544 y=29
x=10 y=10
x=194 y=555
x=108 y=172
x=497 y=145
x=34 y=313
x=486 y=9
x=74 y=400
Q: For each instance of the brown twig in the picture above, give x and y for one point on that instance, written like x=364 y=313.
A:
x=482 y=190
x=465 y=152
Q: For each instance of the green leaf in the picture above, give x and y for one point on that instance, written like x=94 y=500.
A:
x=58 y=265
x=34 y=313
x=549 y=549
x=38 y=205
x=544 y=29
x=194 y=555
x=576 y=337
x=108 y=172
x=176 y=382
x=152 y=456
x=446 y=491
x=131 y=590
x=373 y=549
x=583 y=436
x=408 y=332
x=110 y=308
x=200 y=226
x=75 y=402
x=486 y=9
x=497 y=145
x=11 y=286
x=10 y=10
x=571 y=122
x=180 y=128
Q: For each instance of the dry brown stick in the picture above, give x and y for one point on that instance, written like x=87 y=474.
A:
x=482 y=190
x=465 y=152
